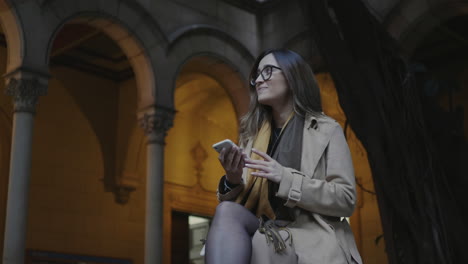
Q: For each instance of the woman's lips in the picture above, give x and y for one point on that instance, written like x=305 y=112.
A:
x=261 y=88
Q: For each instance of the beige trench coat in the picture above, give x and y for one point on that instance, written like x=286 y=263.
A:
x=322 y=193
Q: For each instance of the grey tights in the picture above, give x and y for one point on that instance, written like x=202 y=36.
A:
x=229 y=240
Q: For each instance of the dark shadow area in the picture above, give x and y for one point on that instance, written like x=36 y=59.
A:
x=440 y=69
x=412 y=145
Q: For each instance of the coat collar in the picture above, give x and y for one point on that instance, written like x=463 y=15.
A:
x=317 y=134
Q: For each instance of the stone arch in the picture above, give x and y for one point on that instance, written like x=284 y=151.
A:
x=214 y=84
x=13 y=34
x=209 y=30
x=140 y=38
x=208 y=86
x=223 y=72
x=206 y=63
x=135 y=54
x=206 y=114
x=126 y=22
x=224 y=56
x=412 y=20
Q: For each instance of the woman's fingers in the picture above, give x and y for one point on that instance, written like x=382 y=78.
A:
x=257 y=162
x=230 y=157
x=244 y=156
x=258 y=167
x=233 y=159
x=222 y=153
x=237 y=158
x=267 y=168
x=262 y=154
x=260 y=174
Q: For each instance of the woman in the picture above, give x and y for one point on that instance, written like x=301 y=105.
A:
x=285 y=194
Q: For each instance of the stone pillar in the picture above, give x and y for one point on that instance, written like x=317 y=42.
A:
x=25 y=88
x=155 y=122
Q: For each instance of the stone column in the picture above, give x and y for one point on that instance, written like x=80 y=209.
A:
x=155 y=122
x=25 y=89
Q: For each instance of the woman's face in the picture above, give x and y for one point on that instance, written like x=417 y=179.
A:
x=274 y=91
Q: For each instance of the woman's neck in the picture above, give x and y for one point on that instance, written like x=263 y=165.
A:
x=282 y=113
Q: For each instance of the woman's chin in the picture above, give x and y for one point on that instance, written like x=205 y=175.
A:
x=264 y=101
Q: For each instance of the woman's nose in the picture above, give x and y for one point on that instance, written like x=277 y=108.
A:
x=259 y=79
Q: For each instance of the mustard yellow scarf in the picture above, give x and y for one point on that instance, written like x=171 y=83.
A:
x=255 y=195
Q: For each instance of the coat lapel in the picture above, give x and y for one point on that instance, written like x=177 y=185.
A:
x=317 y=133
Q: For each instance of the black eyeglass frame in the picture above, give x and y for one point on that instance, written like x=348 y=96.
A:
x=253 y=81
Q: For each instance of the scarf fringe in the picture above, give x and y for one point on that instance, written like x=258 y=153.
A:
x=272 y=235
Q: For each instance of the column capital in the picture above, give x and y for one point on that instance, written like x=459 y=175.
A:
x=156 y=121
x=26 y=86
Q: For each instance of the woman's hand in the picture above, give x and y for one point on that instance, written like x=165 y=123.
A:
x=233 y=161
x=267 y=168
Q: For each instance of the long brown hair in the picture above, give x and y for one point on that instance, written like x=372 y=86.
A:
x=301 y=82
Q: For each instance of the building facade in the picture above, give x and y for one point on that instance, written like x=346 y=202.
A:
x=111 y=106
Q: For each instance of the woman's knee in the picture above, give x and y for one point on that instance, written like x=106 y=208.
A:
x=234 y=213
x=228 y=209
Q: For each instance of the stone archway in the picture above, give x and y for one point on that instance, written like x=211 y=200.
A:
x=132 y=46
x=202 y=40
x=210 y=89
x=140 y=39
x=219 y=69
x=126 y=22
x=86 y=53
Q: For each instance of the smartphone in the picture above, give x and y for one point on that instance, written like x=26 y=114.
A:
x=227 y=143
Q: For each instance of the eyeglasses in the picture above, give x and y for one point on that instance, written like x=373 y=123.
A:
x=266 y=74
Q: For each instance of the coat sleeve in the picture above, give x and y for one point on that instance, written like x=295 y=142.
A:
x=228 y=195
x=333 y=196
